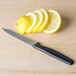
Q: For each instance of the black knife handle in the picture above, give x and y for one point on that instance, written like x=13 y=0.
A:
x=53 y=53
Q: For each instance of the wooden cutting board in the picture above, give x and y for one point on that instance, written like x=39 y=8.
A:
x=20 y=59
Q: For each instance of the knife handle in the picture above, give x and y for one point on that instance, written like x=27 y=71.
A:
x=53 y=53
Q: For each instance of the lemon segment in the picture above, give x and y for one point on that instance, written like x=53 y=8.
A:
x=22 y=24
x=46 y=20
x=34 y=20
x=40 y=15
x=55 y=22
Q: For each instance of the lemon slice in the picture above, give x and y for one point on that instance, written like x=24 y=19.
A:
x=22 y=24
x=34 y=20
x=46 y=20
x=55 y=22
x=40 y=15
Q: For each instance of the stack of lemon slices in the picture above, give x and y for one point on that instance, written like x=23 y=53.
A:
x=48 y=21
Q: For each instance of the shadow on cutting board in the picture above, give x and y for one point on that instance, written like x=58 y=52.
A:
x=65 y=23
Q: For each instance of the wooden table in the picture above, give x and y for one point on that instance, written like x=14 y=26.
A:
x=20 y=59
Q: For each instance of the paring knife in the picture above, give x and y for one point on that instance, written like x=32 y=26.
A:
x=44 y=49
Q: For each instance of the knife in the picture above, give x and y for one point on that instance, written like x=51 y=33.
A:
x=44 y=49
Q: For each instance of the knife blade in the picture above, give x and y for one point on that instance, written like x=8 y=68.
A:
x=42 y=48
x=14 y=34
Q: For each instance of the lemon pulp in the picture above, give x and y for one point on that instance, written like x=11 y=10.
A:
x=34 y=20
x=46 y=20
x=40 y=20
x=55 y=22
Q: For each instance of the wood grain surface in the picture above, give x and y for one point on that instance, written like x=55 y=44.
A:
x=20 y=59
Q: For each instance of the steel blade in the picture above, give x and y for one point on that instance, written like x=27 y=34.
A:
x=16 y=35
